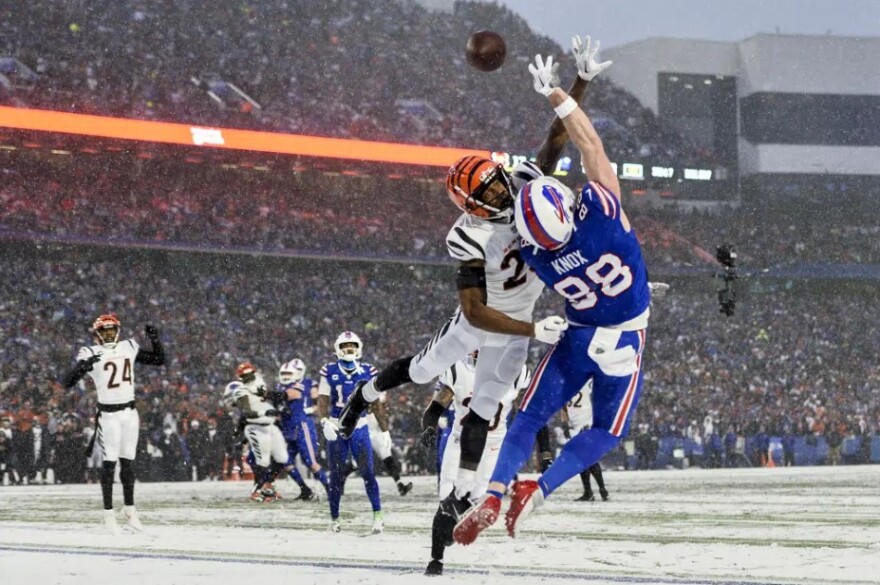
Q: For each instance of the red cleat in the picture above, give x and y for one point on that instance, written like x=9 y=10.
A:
x=525 y=496
x=477 y=519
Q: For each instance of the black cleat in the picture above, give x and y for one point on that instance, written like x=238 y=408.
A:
x=454 y=507
x=404 y=488
x=352 y=411
x=435 y=568
x=586 y=498
x=604 y=494
x=307 y=495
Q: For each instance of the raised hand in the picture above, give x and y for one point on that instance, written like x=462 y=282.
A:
x=585 y=57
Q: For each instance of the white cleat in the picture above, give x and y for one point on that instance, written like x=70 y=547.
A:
x=110 y=523
x=335 y=526
x=131 y=517
x=378 y=524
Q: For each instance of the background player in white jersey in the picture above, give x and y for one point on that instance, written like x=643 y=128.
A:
x=496 y=294
x=110 y=365
x=263 y=435
x=456 y=385
x=380 y=438
x=578 y=416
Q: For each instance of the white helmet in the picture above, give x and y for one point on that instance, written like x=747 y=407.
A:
x=544 y=213
x=292 y=371
x=348 y=354
x=227 y=400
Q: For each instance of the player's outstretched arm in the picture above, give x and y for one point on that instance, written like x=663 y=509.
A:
x=557 y=135
x=79 y=371
x=471 y=283
x=577 y=123
x=156 y=356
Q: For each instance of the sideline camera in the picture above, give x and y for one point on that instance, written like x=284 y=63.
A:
x=726 y=255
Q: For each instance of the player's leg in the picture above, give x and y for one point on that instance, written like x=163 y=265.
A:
x=497 y=369
x=443 y=524
x=614 y=401
x=382 y=448
x=596 y=471
x=129 y=430
x=281 y=461
x=549 y=390
x=109 y=439
x=337 y=457
x=362 y=452
x=261 y=447
x=308 y=440
x=305 y=492
x=452 y=342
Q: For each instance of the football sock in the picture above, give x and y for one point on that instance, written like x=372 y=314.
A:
x=107 y=471
x=126 y=476
x=585 y=449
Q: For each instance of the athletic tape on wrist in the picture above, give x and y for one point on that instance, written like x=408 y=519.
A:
x=566 y=107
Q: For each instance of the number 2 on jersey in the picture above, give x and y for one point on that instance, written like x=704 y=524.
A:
x=519 y=269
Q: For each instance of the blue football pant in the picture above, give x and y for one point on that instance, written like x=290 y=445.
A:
x=563 y=372
x=338 y=451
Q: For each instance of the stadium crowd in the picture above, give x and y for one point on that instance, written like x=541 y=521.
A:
x=116 y=198
x=396 y=71
x=800 y=359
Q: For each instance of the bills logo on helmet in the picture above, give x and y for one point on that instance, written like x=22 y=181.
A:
x=348 y=346
x=544 y=213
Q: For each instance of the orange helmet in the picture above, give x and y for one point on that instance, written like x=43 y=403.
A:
x=106 y=328
x=468 y=186
x=246 y=372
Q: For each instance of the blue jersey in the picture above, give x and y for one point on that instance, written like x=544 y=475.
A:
x=341 y=378
x=295 y=414
x=600 y=271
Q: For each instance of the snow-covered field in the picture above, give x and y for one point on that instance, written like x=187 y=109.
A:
x=796 y=525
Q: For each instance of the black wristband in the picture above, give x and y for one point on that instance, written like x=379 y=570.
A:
x=432 y=414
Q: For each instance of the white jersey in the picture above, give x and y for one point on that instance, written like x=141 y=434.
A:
x=511 y=287
x=580 y=408
x=460 y=378
x=113 y=374
x=255 y=402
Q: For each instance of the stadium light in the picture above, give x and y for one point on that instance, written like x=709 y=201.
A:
x=229 y=138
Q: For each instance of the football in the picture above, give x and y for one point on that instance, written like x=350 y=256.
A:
x=486 y=50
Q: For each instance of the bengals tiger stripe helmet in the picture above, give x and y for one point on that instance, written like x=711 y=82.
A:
x=246 y=372
x=471 y=182
x=106 y=328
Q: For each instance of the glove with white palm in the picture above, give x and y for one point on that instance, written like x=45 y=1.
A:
x=545 y=75
x=585 y=57
x=550 y=330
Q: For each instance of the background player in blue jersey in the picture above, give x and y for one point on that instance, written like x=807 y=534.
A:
x=584 y=249
x=338 y=381
x=294 y=391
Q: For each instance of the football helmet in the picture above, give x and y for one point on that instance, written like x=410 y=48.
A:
x=480 y=187
x=246 y=372
x=106 y=328
x=544 y=213
x=227 y=399
x=353 y=347
x=292 y=371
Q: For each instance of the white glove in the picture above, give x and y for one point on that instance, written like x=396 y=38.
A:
x=545 y=75
x=585 y=56
x=550 y=330
x=658 y=289
x=330 y=428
